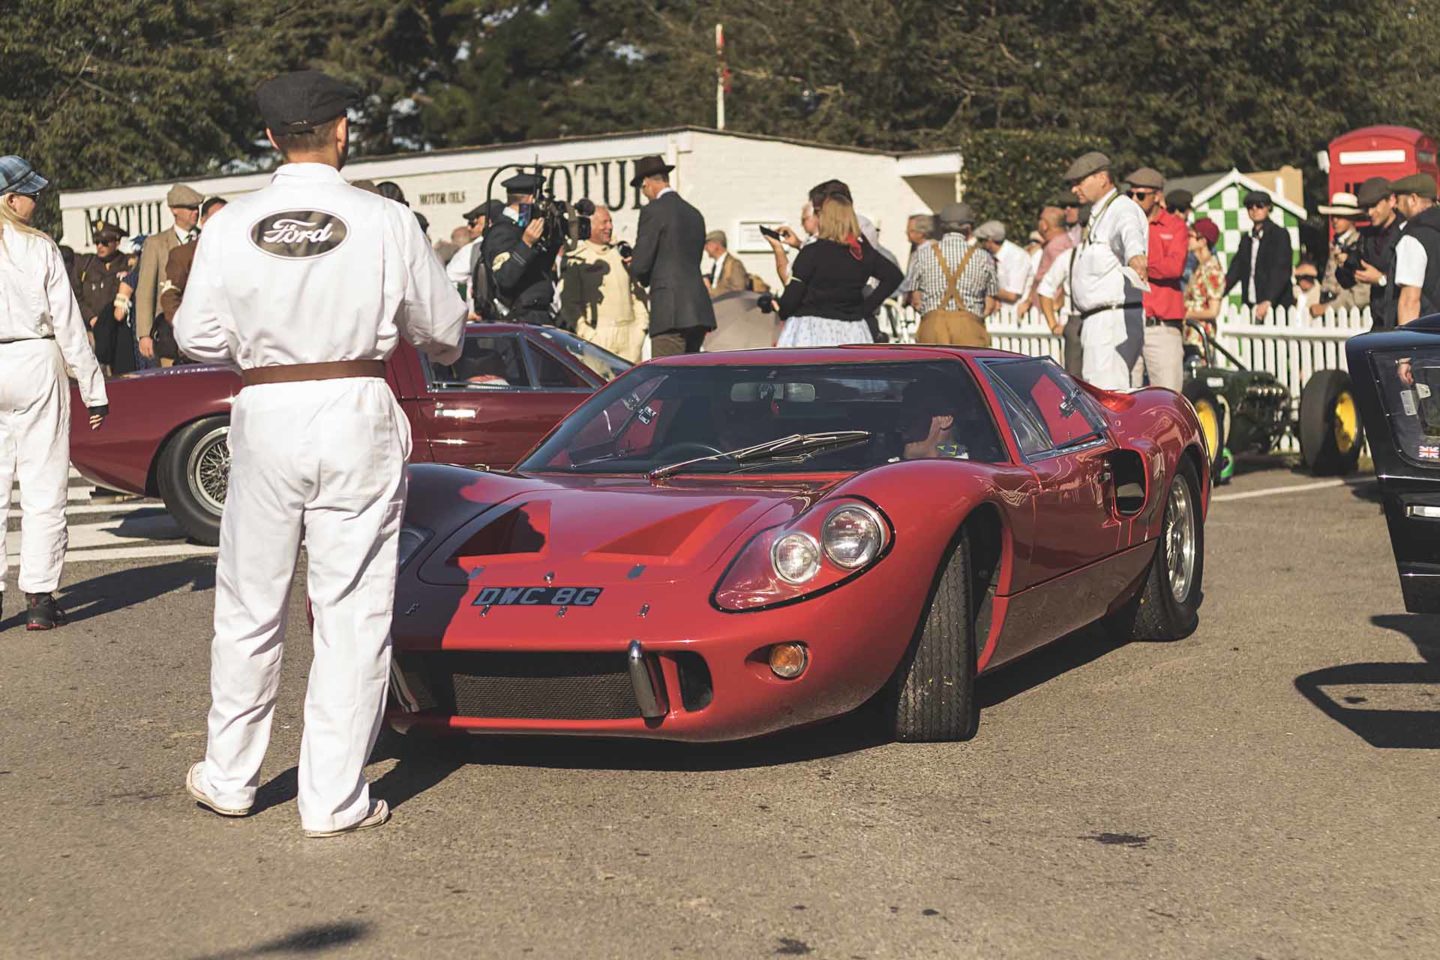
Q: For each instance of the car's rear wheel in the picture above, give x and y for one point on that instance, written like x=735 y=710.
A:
x=1167 y=606
x=193 y=475
x=1212 y=421
x=1331 y=434
x=932 y=693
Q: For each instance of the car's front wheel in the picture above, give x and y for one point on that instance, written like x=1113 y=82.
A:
x=1167 y=606
x=932 y=693
x=193 y=475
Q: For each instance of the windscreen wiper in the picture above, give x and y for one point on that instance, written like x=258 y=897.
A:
x=796 y=445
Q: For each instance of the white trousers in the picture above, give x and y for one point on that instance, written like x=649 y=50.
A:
x=1111 y=342
x=1162 y=357
x=35 y=449
x=325 y=459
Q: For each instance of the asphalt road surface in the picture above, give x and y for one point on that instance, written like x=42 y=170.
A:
x=1268 y=788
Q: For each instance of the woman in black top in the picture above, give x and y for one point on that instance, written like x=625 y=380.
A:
x=825 y=303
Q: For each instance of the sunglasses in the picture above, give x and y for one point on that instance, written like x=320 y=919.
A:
x=1140 y=194
x=1257 y=206
x=1302 y=277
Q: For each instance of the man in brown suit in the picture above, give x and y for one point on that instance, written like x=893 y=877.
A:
x=184 y=205
x=177 y=267
x=725 y=274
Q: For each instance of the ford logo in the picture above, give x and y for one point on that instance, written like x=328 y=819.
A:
x=299 y=234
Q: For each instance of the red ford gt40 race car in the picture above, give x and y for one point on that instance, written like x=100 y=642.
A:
x=166 y=434
x=719 y=546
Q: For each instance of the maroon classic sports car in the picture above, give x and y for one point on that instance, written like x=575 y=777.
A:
x=166 y=432
x=723 y=545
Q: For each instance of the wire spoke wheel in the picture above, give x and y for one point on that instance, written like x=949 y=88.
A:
x=207 y=469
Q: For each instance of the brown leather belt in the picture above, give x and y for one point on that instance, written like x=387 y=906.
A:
x=297 y=372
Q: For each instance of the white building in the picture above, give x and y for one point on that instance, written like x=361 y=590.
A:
x=738 y=181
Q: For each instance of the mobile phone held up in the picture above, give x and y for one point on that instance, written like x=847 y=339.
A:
x=768 y=232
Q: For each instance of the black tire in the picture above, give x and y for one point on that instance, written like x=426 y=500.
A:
x=188 y=475
x=931 y=696
x=1207 y=406
x=1331 y=434
x=1156 y=612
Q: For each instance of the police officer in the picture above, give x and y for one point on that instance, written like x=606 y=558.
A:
x=97 y=278
x=306 y=286
x=40 y=333
x=521 y=263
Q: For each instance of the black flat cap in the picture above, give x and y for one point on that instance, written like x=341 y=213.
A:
x=1178 y=199
x=490 y=209
x=301 y=101
x=1372 y=191
x=523 y=183
x=1258 y=198
x=1420 y=184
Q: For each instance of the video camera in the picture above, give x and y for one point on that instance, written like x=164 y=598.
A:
x=563 y=223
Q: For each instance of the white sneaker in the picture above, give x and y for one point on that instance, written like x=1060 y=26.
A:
x=379 y=813
x=207 y=801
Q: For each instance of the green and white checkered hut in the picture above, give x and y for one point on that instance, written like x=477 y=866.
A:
x=1223 y=201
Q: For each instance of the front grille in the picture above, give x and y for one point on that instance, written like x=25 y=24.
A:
x=529 y=686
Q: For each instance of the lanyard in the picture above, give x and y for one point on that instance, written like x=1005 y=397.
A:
x=1095 y=219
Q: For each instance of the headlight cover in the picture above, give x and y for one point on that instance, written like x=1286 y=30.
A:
x=853 y=535
x=817 y=551
x=412 y=538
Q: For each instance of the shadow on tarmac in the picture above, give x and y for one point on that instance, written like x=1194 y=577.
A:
x=123 y=588
x=1413 y=726
x=325 y=936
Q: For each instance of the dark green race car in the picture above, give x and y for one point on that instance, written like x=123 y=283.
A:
x=1250 y=411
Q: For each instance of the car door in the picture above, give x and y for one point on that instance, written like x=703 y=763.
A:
x=1062 y=437
x=489 y=407
x=1396 y=379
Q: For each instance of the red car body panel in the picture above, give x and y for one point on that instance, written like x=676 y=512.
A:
x=474 y=428
x=659 y=550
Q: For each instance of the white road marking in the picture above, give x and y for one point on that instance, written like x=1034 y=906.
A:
x=1292 y=488
x=134 y=553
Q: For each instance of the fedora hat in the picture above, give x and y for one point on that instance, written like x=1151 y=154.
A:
x=1342 y=205
x=649 y=167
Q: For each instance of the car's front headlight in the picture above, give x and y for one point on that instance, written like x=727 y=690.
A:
x=412 y=538
x=853 y=535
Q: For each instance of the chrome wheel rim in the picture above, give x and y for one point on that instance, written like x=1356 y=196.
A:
x=1179 y=540
x=208 y=469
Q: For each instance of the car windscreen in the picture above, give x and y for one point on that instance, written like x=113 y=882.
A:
x=604 y=363
x=659 y=416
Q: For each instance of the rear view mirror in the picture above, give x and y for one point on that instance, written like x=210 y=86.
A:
x=766 y=390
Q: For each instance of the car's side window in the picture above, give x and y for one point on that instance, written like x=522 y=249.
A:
x=1047 y=410
x=551 y=373
x=1409 y=382
x=489 y=363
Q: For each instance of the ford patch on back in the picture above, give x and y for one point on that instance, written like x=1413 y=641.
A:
x=299 y=234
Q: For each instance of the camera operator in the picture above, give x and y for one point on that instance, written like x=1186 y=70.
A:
x=521 y=258
x=1377 y=251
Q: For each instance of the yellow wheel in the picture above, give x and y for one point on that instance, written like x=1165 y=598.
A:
x=1212 y=419
x=1347 y=422
x=1331 y=434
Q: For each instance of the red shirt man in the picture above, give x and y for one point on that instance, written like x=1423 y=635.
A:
x=1162 y=358
x=1169 y=243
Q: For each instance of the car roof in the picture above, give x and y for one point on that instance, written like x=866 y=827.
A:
x=853 y=353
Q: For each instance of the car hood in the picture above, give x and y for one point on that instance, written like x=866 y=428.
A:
x=601 y=531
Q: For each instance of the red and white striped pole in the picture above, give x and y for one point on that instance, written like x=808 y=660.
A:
x=722 y=77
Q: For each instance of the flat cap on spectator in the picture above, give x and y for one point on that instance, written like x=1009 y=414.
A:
x=1258 y=198
x=490 y=209
x=991 y=230
x=523 y=183
x=1420 y=184
x=1086 y=164
x=1208 y=229
x=184 y=195
x=1341 y=204
x=1179 y=199
x=1147 y=178
x=717 y=236
x=367 y=185
x=1062 y=200
x=299 y=102
x=956 y=215
x=17 y=176
x=1372 y=191
x=105 y=232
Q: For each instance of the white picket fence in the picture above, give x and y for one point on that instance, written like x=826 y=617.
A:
x=1290 y=344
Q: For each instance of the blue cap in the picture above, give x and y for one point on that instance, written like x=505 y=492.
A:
x=17 y=176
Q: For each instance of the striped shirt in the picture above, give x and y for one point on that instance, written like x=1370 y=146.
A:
x=975 y=284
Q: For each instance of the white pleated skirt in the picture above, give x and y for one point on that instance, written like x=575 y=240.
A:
x=823 y=332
